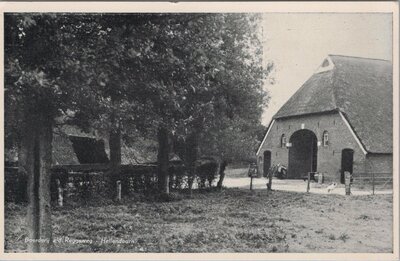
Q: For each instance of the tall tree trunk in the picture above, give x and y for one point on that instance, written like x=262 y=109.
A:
x=222 y=167
x=45 y=159
x=163 y=161
x=115 y=153
x=35 y=160
x=26 y=166
x=115 y=147
x=115 y=160
x=190 y=158
x=23 y=182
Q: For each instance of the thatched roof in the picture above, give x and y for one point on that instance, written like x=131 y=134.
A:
x=140 y=151
x=360 y=88
x=73 y=146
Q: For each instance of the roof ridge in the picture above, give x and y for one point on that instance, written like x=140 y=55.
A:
x=334 y=91
x=299 y=90
x=359 y=57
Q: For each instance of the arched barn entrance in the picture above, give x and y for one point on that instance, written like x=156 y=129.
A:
x=302 y=154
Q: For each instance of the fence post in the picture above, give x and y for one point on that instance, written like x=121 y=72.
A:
x=118 y=190
x=308 y=181
x=270 y=173
x=320 y=178
x=347 y=179
x=373 y=183
x=60 y=198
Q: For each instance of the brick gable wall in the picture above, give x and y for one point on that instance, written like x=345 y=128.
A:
x=329 y=157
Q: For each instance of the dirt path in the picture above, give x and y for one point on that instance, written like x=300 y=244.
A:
x=295 y=185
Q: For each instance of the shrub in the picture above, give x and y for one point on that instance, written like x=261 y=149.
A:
x=163 y=197
x=319 y=231
x=344 y=237
x=206 y=172
x=87 y=186
x=364 y=217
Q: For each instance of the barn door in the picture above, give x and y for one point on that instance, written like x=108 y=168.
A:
x=267 y=161
x=302 y=154
x=347 y=163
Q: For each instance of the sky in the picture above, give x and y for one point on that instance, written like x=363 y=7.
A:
x=298 y=43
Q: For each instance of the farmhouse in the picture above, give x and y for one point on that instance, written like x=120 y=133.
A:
x=339 y=120
x=72 y=146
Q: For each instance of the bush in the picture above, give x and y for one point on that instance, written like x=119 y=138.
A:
x=206 y=172
x=162 y=197
x=15 y=185
x=344 y=237
x=91 y=185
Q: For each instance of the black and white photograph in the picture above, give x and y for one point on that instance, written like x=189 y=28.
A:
x=190 y=130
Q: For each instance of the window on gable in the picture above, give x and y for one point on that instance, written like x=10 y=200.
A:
x=325 y=139
x=283 y=141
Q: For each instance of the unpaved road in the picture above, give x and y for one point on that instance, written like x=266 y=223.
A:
x=237 y=178
x=296 y=186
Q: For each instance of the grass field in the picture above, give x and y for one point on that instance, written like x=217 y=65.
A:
x=234 y=220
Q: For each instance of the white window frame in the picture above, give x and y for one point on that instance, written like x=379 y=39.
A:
x=283 y=141
x=325 y=138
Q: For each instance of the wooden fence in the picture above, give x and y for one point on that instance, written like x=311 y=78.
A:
x=84 y=180
x=373 y=181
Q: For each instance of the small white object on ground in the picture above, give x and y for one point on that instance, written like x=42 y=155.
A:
x=331 y=187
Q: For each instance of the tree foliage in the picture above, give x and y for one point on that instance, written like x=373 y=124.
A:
x=182 y=71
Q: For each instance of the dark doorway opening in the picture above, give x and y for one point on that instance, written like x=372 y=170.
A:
x=267 y=161
x=302 y=154
x=89 y=150
x=347 y=163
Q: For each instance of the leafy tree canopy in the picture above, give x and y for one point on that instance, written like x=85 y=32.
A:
x=188 y=72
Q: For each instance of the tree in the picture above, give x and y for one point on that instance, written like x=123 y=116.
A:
x=140 y=81
x=233 y=140
x=218 y=79
x=183 y=77
x=203 y=76
x=43 y=84
x=233 y=136
x=35 y=93
x=114 y=50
